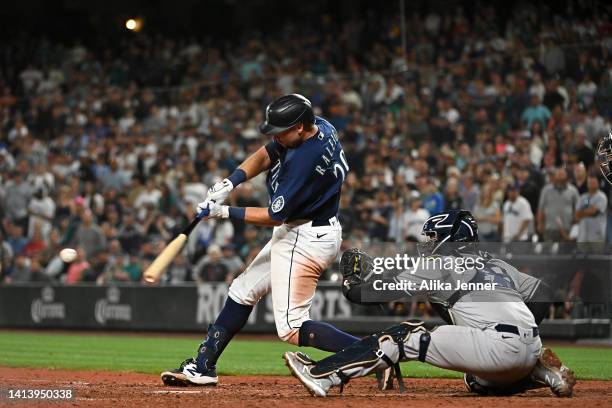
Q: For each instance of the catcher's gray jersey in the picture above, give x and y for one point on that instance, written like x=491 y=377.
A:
x=492 y=292
x=494 y=335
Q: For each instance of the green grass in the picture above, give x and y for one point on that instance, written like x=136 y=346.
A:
x=147 y=354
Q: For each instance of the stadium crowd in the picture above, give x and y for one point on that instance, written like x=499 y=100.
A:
x=108 y=150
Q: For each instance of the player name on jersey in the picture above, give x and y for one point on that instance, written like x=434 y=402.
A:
x=432 y=285
x=328 y=154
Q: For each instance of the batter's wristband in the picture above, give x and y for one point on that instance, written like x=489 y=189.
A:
x=237 y=213
x=237 y=177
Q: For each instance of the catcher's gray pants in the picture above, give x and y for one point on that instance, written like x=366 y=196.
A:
x=495 y=358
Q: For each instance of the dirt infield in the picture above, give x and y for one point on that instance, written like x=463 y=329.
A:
x=113 y=389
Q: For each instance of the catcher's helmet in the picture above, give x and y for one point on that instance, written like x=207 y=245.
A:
x=604 y=154
x=286 y=112
x=451 y=226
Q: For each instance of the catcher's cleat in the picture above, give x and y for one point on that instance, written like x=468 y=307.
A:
x=187 y=374
x=317 y=387
x=384 y=378
x=473 y=386
x=550 y=371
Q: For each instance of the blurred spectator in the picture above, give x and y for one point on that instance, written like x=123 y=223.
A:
x=556 y=208
x=36 y=244
x=89 y=235
x=594 y=124
x=193 y=190
x=17 y=193
x=591 y=213
x=252 y=240
x=37 y=272
x=587 y=90
x=78 y=267
x=138 y=144
x=380 y=214
x=6 y=257
x=97 y=267
x=529 y=184
x=584 y=154
x=469 y=191
x=414 y=218
x=517 y=216
x=113 y=176
x=130 y=233
x=452 y=199
x=131 y=270
x=536 y=112
x=16 y=238
x=180 y=270
x=149 y=196
x=21 y=271
x=210 y=268
x=433 y=201
x=218 y=232
x=234 y=264
x=556 y=95
x=488 y=215
x=42 y=212
x=580 y=178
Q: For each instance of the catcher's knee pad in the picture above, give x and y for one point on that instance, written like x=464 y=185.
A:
x=365 y=355
x=402 y=331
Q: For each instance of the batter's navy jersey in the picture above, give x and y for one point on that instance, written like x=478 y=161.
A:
x=305 y=182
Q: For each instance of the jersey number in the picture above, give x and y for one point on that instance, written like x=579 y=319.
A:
x=344 y=168
x=495 y=275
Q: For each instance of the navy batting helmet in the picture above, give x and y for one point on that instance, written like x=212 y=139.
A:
x=451 y=226
x=286 y=112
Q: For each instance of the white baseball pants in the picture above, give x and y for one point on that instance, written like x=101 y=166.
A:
x=289 y=266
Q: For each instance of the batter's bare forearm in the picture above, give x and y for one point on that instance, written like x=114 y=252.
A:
x=259 y=216
x=256 y=163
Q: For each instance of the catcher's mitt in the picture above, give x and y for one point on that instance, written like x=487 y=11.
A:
x=356 y=267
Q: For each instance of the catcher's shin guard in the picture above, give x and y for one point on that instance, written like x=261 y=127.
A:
x=378 y=351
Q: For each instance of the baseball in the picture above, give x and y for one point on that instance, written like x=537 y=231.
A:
x=68 y=255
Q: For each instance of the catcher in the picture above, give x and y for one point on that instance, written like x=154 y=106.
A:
x=492 y=336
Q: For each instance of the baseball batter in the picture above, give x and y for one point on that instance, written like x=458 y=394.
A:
x=306 y=168
x=492 y=334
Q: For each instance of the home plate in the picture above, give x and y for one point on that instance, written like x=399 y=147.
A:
x=177 y=392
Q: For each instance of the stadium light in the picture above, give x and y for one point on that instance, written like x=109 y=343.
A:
x=134 y=24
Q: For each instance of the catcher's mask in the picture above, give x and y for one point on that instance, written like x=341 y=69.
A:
x=604 y=154
x=452 y=226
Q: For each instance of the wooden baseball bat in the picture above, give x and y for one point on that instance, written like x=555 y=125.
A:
x=165 y=258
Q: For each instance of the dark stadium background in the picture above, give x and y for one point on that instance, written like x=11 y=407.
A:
x=218 y=19
x=229 y=25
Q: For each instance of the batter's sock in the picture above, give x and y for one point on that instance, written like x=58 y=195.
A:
x=324 y=336
x=230 y=321
x=233 y=316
